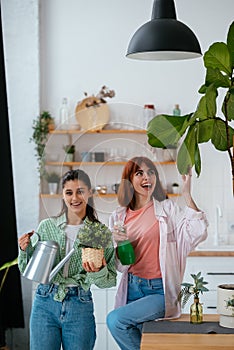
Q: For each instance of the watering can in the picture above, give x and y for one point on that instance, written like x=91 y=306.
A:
x=40 y=266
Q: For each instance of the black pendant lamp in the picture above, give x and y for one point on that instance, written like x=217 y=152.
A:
x=163 y=37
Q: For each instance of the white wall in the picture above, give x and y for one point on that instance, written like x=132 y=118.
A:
x=83 y=46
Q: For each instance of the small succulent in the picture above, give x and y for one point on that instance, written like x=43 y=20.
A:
x=190 y=289
x=69 y=148
x=94 y=235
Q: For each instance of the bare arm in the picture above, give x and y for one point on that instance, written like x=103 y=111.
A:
x=186 y=191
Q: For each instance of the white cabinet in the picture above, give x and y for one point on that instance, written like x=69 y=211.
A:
x=215 y=270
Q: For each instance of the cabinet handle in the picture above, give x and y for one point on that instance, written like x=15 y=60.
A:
x=211 y=307
x=220 y=273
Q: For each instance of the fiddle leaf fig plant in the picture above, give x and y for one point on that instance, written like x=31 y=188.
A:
x=206 y=123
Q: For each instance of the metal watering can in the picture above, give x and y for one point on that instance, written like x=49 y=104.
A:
x=40 y=266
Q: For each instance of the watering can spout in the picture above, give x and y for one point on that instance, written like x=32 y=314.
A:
x=60 y=264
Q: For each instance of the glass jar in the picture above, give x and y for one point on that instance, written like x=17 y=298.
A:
x=176 y=110
x=196 y=312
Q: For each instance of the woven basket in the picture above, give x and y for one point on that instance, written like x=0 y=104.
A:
x=93 y=255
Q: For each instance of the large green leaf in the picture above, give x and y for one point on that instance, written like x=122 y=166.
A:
x=230 y=42
x=164 y=130
x=205 y=130
x=218 y=56
x=219 y=136
x=186 y=154
x=201 y=112
x=216 y=77
x=211 y=95
x=229 y=102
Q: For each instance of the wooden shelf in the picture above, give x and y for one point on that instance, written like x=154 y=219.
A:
x=106 y=163
x=111 y=131
x=107 y=195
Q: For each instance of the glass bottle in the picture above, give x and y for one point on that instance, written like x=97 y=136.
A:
x=176 y=110
x=63 y=115
x=125 y=249
x=196 y=312
x=149 y=113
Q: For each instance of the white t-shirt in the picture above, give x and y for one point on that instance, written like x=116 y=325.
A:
x=71 y=232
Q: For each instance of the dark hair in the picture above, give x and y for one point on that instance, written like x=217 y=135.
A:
x=126 y=193
x=79 y=174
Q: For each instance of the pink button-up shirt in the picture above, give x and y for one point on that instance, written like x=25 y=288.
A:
x=180 y=232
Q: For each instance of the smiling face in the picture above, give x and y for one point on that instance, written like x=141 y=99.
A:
x=76 y=194
x=144 y=182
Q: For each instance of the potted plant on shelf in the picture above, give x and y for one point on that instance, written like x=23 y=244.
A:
x=70 y=151
x=175 y=188
x=189 y=289
x=41 y=127
x=206 y=123
x=94 y=237
x=53 y=180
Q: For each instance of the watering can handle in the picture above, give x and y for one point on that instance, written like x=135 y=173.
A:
x=60 y=264
x=31 y=234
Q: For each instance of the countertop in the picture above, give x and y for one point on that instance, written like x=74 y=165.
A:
x=212 y=253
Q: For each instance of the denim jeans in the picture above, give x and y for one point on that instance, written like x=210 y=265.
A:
x=70 y=322
x=145 y=302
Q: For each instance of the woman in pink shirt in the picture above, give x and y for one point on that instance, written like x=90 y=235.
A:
x=162 y=235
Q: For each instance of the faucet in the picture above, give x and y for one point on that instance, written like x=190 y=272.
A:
x=218 y=214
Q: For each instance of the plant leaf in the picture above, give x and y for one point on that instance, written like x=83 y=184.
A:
x=230 y=42
x=164 y=130
x=229 y=99
x=218 y=56
x=197 y=160
x=210 y=98
x=205 y=130
x=186 y=154
x=201 y=112
x=219 y=136
x=216 y=77
x=9 y=264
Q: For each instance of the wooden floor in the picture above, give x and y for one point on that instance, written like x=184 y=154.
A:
x=182 y=341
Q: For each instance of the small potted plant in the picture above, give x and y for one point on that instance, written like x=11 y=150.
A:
x=53 y=180
x=70 y=151
x=41 y=128
x=94 y=237
x=189 y=289
x=175 y=188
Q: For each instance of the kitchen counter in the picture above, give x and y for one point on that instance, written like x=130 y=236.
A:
x=192 y=341
x=202 y=252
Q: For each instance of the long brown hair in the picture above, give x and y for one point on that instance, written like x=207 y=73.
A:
x=79 y=174
x=126 y=193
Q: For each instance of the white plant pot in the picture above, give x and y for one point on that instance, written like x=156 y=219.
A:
x=53 y=187
x=69 y=157
x=175 y=189
x=225 y=293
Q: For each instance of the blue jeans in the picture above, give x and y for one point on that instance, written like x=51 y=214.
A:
x=70 y=322
x=145 y=302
